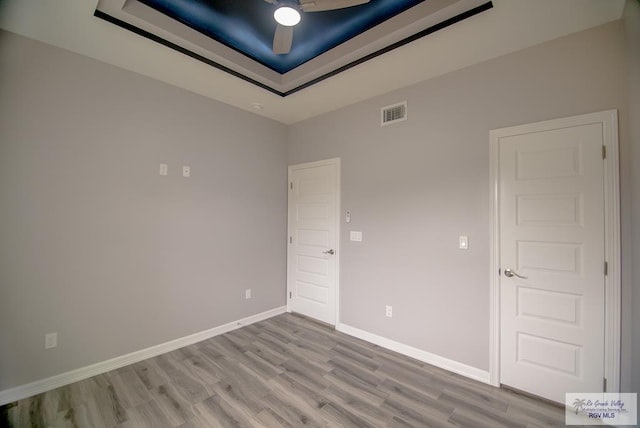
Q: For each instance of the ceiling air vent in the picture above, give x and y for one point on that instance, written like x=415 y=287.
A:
x=394 y=113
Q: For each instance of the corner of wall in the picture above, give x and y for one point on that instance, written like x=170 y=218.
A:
x=631 y=19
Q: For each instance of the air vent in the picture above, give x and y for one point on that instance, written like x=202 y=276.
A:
x=394 y=113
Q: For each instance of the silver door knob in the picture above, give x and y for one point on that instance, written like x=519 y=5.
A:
x=329 y=252
x=509 y=273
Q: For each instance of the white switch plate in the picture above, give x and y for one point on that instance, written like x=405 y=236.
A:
x=355 y=236
x=464 y=242
x=247 y=293
x=186 y=171
x=389 y=311
x=164 y=169
x=50 y=340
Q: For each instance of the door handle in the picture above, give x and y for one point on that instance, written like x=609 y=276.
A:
x=331 y=252
x=509 y=273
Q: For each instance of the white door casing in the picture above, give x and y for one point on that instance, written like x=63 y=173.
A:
x=313 y=240
x=555 y=221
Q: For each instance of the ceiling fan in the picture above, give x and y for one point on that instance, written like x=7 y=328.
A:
x=287 y=15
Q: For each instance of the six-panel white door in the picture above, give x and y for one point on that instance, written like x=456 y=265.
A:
x=313 y=238
x=552 y=235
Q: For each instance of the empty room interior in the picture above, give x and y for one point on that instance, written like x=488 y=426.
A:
x=384 y=213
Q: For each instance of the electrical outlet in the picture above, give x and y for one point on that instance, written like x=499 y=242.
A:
x=164 y=169
x=50 y=340
x=186 y=171
x=247 y=293
x=389 y=311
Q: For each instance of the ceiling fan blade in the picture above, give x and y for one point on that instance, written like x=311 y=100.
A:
x=322 y=5
x=282 y=39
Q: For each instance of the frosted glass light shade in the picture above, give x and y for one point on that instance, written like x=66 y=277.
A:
x=286 y=16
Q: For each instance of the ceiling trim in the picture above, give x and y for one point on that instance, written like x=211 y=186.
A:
x=148 y=35
x=430 y=30
x=510 y=26
x=444 y=24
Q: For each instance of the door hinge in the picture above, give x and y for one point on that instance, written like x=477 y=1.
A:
x=606 y=268
x=291 y=185
x=291 y=240
x=604 y=384
x=604 y=152
x=289 y=294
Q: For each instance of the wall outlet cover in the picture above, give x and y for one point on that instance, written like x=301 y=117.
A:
x=50 y=340
x=355 y=236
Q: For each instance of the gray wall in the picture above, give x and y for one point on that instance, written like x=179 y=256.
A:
x=94 y=244
x=414 y=187
x=632 y=25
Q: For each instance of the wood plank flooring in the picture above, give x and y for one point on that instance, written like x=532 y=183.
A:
x=287 y=371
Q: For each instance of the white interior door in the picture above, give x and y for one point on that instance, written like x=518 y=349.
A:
x=552 y=257
x=312 y=265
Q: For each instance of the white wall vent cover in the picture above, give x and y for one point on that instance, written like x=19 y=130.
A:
x=394 y=113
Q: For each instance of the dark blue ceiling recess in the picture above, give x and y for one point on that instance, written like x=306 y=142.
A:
x=248 y=26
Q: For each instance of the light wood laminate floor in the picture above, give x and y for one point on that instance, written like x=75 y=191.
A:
x=287 y=371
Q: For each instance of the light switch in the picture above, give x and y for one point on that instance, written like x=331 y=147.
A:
x=355 y=236
x=164 y=169
x=464 y=242
x=186 y=171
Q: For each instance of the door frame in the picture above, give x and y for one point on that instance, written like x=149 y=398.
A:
x=291 y=169
x=609 y=121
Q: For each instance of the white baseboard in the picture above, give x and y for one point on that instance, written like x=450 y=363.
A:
x=40 y=386
x=418 y=354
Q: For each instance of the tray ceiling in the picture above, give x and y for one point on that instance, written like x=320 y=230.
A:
x=236 y=36
x=508 y=27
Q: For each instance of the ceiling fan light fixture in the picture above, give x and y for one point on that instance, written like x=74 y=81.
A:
x=287 y=16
